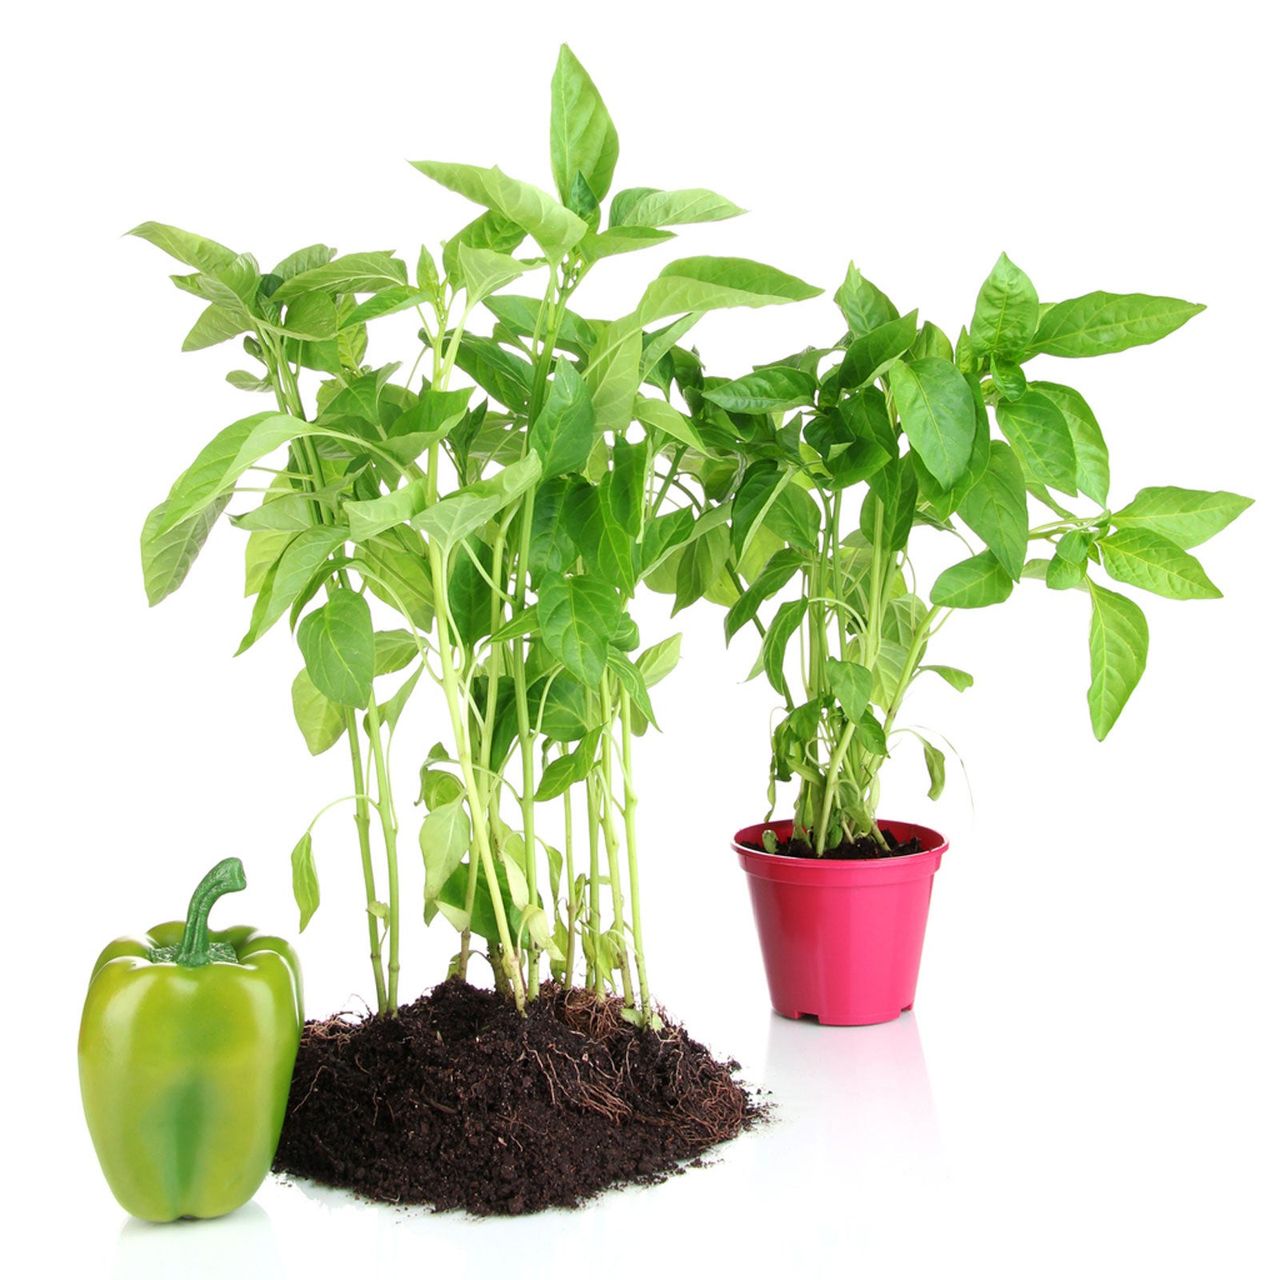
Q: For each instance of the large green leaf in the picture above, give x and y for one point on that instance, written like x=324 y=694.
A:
x=577 y=616
x=215 y=324
x=453 y=518
x=706 y=284
x=565 y=431
x=774 y=651
x=352 y=273
x=1006 y=313
x=196 y=251
x=1154 y=563
x=613 y=375
x=553 y=226
x=167 y=556
x=936 y=407
x=608 y=244
x=485 y=272
x=224 y=460
x=871 y=354
x=995 y=508
x=583 y=138
x=648 y=207
x=1118 y=639
x=766 y=390
x=1099 y=322
x=371 y=516
x=1036 y=428
x=444 y=837
x=972 y=584
x=761 y=485
x=851 y=683
x=1187 y=517
x=775 y=575
x=338 y=647
x=1093 y=465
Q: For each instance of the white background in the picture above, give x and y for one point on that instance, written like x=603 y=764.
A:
x=1088 y=1080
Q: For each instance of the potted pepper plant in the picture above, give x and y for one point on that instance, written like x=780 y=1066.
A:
x=814 y=478
x=484 y=522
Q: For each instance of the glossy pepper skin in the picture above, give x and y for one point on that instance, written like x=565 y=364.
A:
x=187 y=1044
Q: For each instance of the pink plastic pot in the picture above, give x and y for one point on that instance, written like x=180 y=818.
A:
x=841 y=940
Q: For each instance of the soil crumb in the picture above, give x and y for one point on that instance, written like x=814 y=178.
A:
x=460 y=1103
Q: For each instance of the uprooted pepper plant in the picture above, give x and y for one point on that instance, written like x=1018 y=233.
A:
x=481 y=515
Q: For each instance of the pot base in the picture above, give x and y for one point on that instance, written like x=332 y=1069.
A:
x=830 y=1018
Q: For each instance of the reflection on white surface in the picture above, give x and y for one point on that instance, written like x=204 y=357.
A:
x=241 y=1244
x=861 y=1093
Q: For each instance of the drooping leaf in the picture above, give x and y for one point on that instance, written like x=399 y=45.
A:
x=167 y=557
x=1118 y=639
x=1093 y=465
x=444 y=838
x=295 y=569
x=320 y=721
x=936 y=763
x=957 y=679
x=773 y=653
x=775 y=575
x=306 y=884
x=338 y=647
x=995 y=508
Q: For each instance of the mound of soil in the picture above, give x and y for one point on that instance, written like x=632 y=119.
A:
x=459 y=1102
x=863 y=848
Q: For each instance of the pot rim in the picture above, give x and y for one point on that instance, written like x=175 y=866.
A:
x=936 y=845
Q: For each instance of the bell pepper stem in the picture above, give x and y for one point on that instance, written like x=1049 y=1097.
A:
x=195 y=949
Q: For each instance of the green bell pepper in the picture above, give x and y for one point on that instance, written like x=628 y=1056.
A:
x=187 y=1045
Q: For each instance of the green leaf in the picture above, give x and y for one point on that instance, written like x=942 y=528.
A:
x=1093 y=465
x=863 y=306
x=661 y=416
x=936 y=763
x=398 y=558
x=444 y=838
x=659 y=660
x=957 y=679
x=995 y=508
x=608 y=244
x=1006 y=313
x=167 y=556
x=765 y=391
x=1154 y=563
x=775 y=575
x=871 y=734
x=1062 y=573
x=553 y=226
x=759 y=488
x=387 y=302
x=972 y=584
x=562 y=772
x=290 y=575
x=1099 y=323
x=306 y=884
x=196 y=251
x=851 y=683
x=773 y=654
x=352 y=273
x=648 y=207
x=453 y=518
x=613 y=375
x=485 y=272
x=577 y=616
x=633 y=682
x=564 y=433
x=321 y=721
x=215 y=324
x=583 y=138
x=224 y=459
x=872 y=353
x=371 y=516
x=1187 y=517
x=338 y=647
x=706 y=284
x=936 y=407
x=1036 y=428
x=393 y=651
x=1118 y=639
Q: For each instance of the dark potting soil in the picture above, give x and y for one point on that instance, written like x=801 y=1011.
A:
x=864 y=848
x=460 y=1103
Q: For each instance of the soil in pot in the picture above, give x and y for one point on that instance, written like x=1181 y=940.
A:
x=864 y=848
x=459 y=1102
